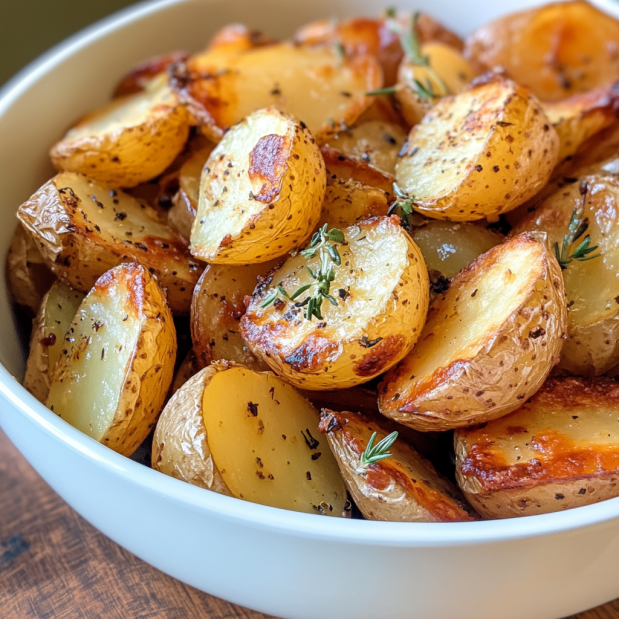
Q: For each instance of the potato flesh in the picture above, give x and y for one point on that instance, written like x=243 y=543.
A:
x=348 y=202
x=255 y=425
x=190 y=174
x=450 y=247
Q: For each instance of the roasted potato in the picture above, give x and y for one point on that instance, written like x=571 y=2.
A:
x=592 y=286
x=187 y=369
x=402 y=488
x=556 y=50
x=317 y=85
x=559 y=450
x=382 y=298
x=420 y=87
x=129 y=141
x=28 y=276
x=448 y=247
x=236 y=38
x=51 y=324
x=382 y=109
x=115 y=369
x=216 y=309
x=478 y=154
x=263 y=437
x=374 y=142
x=593 y=154
x=261 y=191
x=488 y=344
x=84 y=228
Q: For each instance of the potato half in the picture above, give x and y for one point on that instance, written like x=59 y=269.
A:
x=217 y=307
x=129 y=141
x=557 y=50
x=51 y=324
x=115 y=369
x=488 y=344
x=560 y=450
x=478 y=154
x=592 y=287
x=84 y=228
x=317 y=85
x=261 y=191
x=381 y=295
x=402 y=488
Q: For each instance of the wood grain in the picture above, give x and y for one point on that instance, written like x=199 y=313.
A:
x=54 y=565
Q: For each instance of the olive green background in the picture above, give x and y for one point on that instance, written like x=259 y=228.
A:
x=30 y=27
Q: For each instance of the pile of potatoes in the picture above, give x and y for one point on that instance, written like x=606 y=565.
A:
x=372 y=230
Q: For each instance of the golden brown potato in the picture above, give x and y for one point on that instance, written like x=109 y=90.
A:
x=317 y=85
x=85 y=227
x=217 y=308
x=558 y=451
x=236 y=38
x=113 y=375
x=382 y=109
x=374 y=142
x=488 y=344
x=27 y=275
x=592 y=286
x=402 y=488
x=180 y=445
x=48 y=330
x=378 y=302
x=138 y=79
x=556 y=50
x=129 y=141
x=261 y=191
x=601 y=147
x=499 y=151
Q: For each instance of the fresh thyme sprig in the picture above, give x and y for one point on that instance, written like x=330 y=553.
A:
x=375 y=453
x=279 y=291
x=403 y=206
x=576 y=228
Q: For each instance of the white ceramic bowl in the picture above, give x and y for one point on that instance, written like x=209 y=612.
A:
x=279 y=562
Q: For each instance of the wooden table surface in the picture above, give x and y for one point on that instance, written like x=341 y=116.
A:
x=54 y=565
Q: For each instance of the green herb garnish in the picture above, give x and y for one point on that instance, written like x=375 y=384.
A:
x=403 y=207
x=376 y=453
x=389 y=90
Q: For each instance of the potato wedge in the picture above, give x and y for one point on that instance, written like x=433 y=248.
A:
x=112 y=377
x=592 y=287
x=402 y=488
x=138 y=79
x=383 y=110
x=558 y=451
x=263 y=437
x=597 y=151
x=557 y=50
x=374 y=142
x=216 y=309
x=488 y=344
x=129 y=141
x=448 y=72
x=51 y=324
x=316 y=85
x=261 y=191
x=180 y=445
x=450 y=247
x=27 y=275
x=380 y=292
x=84 y=228
x=499 y=152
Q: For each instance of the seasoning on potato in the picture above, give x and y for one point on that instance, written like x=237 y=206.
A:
x=261 y=191
x=488 y=344
x=342 y=311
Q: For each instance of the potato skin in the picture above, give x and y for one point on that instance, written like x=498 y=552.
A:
x=180 y=446
x=261 y=191
x=550 y=455
x=337 y=352
x=507 y=365
x=499 y=143
x=402 y=488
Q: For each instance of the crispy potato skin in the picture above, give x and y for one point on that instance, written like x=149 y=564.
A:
x=337 y=353
x=79 y=247
x=506 y=363
x=550 y=455
x=261 y=191
x=129 y=141
x=557 y=50
x=402 y=488
x=498 y=143
x=180 y=445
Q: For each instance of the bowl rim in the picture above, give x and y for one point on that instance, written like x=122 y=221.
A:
x=268 y=519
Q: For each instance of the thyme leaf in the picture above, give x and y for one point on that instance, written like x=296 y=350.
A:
x=402 y=206
x=375 y=453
